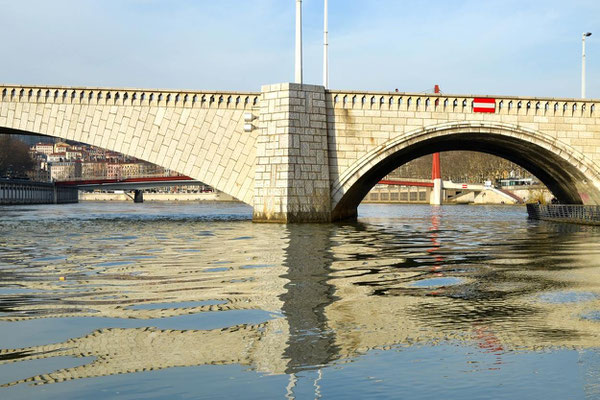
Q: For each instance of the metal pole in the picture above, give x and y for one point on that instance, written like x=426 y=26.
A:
x=586 y=34
x=298 y=68
x=583 y=67
x=326 y=48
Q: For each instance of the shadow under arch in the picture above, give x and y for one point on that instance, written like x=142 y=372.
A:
x=569 y=175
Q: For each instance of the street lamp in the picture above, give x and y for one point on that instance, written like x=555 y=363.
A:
x=298 y=69
x=583 y=36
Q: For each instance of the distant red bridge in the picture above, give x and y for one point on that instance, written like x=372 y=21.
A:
x=137 y=184
x=151 y=179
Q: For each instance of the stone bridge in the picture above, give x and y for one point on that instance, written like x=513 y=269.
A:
x=301 y=153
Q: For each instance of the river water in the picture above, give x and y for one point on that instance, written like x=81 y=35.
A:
x=165 y=301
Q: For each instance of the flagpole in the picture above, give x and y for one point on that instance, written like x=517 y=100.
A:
x=326 y=48
x=298 y=69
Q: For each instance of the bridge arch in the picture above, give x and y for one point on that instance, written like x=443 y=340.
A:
x=226 y=181
x=207 y=141
x=568 y=174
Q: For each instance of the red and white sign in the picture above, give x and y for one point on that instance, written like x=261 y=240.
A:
x=484 y=105
x=464 y=186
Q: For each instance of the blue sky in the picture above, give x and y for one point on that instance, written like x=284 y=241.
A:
x=528 y=48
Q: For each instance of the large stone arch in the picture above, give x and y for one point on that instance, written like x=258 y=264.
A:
x=570 y=175
x=200 y=135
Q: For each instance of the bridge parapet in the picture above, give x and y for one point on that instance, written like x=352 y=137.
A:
x=128 y=97
x=506 y=105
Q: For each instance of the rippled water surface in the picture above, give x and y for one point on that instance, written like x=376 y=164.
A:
x=101 y=300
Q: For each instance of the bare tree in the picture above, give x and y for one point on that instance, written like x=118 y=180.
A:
x=462 y=166
x=15 y=160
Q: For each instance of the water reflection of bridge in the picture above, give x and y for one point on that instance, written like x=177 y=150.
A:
x=336 y=293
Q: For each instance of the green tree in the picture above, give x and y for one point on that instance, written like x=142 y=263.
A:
x=15 y=160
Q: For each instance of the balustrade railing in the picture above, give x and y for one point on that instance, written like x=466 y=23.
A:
x=338 y=99
x=131 y=97
x=464 y=104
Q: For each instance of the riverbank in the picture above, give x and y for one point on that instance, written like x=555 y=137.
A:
x=183 y=197
x=398 y=194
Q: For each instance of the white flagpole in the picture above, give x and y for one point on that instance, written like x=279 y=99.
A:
x=326 y=48
x=298 y=69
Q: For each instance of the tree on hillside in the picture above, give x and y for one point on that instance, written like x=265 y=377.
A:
x=15 y=160
x=462 y=166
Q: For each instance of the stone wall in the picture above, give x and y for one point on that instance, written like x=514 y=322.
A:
x=292 y=172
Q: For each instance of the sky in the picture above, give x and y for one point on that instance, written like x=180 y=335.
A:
x=507 y=47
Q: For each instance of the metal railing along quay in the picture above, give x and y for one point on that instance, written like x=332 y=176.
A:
x=14 y=192
x=574 y=213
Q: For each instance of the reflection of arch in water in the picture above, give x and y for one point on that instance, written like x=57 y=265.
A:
x=331 y=310
x=119 y=351
x=569 y=175
x=288 y=345
x=377 y=306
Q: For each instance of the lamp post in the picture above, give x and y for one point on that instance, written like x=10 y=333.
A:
x=298 y=69
x=586 y=34
x=326 y=48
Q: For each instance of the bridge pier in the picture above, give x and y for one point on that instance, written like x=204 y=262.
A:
x=292 y=162
x=436 y=196
x=437 y=193
x=138 y=196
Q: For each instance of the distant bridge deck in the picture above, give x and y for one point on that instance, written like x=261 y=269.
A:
x=406 y=183
x=131 y=183
x=428 y=183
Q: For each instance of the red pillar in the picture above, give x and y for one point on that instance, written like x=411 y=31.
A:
x=436 y=196
x=436 y=172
